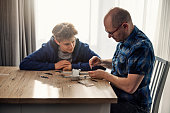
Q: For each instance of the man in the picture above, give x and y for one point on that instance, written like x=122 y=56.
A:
x=131 y=65
x=62 y=52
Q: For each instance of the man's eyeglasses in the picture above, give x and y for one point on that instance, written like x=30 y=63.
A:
x=111 y=33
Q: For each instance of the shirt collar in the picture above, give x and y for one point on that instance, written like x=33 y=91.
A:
x=131 y=37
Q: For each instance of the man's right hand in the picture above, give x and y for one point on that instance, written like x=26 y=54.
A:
x=62 y=64
x=94 y=61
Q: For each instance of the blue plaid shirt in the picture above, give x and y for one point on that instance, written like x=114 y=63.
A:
x=134 y=56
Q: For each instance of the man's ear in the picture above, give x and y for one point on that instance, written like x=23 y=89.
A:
x=57 y=42
x=125 y=25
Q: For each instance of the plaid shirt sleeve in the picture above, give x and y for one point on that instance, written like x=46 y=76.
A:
x=139 y=60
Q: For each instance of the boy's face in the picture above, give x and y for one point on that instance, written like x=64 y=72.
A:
x=67 y=45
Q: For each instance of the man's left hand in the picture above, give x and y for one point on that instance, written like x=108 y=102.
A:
x=100 y=74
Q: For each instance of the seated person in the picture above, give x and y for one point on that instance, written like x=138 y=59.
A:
x=62 y=52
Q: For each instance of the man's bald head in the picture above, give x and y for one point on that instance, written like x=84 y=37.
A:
x=118 y=16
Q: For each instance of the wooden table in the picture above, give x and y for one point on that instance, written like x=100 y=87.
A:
x=26 y=92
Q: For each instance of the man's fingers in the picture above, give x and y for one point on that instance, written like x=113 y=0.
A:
x=91 y=63
x=94 y=61
x=91 y=73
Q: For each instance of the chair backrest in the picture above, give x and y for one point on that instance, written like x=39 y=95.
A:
x=159 y=75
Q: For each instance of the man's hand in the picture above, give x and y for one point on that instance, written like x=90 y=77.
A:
x=128 y=84
x=100 y=74
x=62 y=64
x=94 y=61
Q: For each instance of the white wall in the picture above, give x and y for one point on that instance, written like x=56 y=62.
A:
x=106 y=46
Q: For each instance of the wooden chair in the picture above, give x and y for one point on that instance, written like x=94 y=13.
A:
x=159 y=75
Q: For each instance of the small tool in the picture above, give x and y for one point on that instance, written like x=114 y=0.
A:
x=48 y=73
x=94 y=80
x=59 y=71
x=80 y=82
x=43 y=76
x=87 y=84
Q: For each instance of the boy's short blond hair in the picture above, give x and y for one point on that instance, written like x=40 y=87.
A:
x=64 y=31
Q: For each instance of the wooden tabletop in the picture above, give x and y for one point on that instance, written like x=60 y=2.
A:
x=19 y=86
